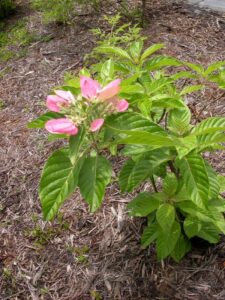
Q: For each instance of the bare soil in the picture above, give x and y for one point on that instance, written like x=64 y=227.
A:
x=84 y=256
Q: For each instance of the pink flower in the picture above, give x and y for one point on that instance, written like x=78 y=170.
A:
x=89 y=87
x=67 y=95
x=61 y=126
x=54 y=103
x=122 y=105
x=110 y=90
x=96 y=124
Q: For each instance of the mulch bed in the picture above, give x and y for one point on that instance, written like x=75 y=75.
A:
x=82 y=256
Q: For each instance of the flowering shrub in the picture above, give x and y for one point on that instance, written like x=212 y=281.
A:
x=158 y=137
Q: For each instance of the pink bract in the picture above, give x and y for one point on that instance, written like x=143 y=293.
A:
x=55 y=102
x=89 y=87
x=67 y=95
x=61 y=126
x=97 y=124
x=110 y=90
x=122 y=105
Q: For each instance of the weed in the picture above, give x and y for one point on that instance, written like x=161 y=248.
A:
x=44 y=291
x=55 y=10
x=81 y=253
x=95 y=295
x=2 y=104
x=13 y=40
x=61 y=11
x=7 y=273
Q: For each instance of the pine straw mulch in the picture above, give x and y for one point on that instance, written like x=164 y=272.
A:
x=84 y=256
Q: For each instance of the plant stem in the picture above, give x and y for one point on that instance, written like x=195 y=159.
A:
x=153 y=183
x=172 y=168
x=166 y=119
x=162 y=116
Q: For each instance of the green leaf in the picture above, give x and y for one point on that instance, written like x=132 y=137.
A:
x=209 y=125
x=210 y=233
x=135 y=49
x=144 y=204
x=133 y=173
x=189 y=143
x=152 y=49
x=107 y=70
x=193 y=171
x=214 y=67
x=209 y=215
x=209 y=140
x=195 y=67
x=192 y=226
x=160 y=62
x=221 y=182
x=145 y=106
x=94 y=176
x=179 y=120
x=132 y=150
x=218 y=204
x=40 y=121
x=167 y=240
x=74 y=82
x=214 y=186
x=166 y=101
x=191 y=88
x=123 y=67
x=116 y=124
x=158 y=84
x=165 y=216
x=75 y=144
x=53 y=137
x=147 y=138
x=114 y=50
x=170 y=184
x=182 y=247
x=182 y=74
x=58 y=181
x=149 y=235
x=135 y=88
x=132 y=121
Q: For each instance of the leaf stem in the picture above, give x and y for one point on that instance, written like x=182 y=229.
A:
x=153 y=183
x=172 y=168
x=162 y=116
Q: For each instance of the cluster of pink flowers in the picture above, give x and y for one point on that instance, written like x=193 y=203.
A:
x=91 y=91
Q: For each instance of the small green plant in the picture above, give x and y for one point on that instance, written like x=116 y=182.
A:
x=145 y=111
x=81 y=253
x=2 y=104
x=115 y=35
x=7 y=272
x=13 y=40
x=6 y=8
x=61 y=11
x=95 y=295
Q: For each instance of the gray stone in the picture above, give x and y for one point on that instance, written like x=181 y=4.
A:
x=214 y=4
x=218 y=5
x=195 y=1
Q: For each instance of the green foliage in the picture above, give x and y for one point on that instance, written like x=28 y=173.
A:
x=6 y=7
x=60 y=11
x=14 y=40
x=93 y=186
